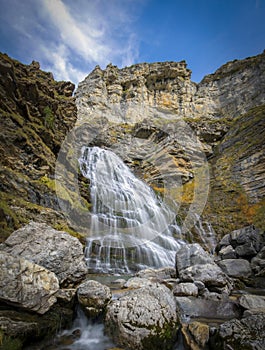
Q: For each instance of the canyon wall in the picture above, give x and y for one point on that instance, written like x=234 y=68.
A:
x=200 y=144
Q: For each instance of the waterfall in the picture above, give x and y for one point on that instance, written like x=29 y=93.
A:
x=131 y=228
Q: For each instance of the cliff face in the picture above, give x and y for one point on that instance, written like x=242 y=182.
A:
x=36 y=112
x=158 y=121
x=202 y=144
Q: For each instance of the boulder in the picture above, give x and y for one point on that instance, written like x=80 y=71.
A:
x=245 y=334
x=185 y=289
x=191 y=307
x=246 y=250
x=93 y=297
x=191 y=254
x=144 y=318
x=195 y=264
x=55 y=250
x=210 y=274
x=238 y=268
x=138 y=282
x=249 y=301
x=26 y=285
x=228 y=252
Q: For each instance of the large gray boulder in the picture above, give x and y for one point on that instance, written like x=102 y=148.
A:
x=250 y=301
x=55 y=250
x=195 y=264
x=192 y=307
x=26 y=285
x=144 y=318
x=94 y=297
x=237 y=268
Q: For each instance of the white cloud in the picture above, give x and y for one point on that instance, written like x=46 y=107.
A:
x=85 y=43
x=70 y=37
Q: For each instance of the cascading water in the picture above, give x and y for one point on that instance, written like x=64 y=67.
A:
x=131 y=228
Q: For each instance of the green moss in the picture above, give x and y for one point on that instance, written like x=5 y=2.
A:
x=259 y=216
x=49 y=117
x=9 y=343
x=162 y=339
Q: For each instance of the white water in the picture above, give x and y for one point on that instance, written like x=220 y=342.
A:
x=131 y=228
x=91 y=336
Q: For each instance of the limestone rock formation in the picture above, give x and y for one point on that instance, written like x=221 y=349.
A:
x=55 y=250
x=144 y=318
x=26 y=285
x=159 y=121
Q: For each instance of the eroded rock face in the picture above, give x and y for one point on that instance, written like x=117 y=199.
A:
x=137 y=112
x=55 y=250
x=27 y=285
x=144 y=318
x=36 y=113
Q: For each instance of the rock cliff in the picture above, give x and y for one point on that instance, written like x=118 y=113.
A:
x=36 y=112
x=167 y=127
x=202 y=144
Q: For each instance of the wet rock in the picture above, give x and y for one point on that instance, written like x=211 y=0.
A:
x=245 y=334
x=93 y=297
x=237 y=268
x=191 y=307
x=55 y=250
x=144 y=318
x=19 y=329
x=185 y=289
x=26 y=285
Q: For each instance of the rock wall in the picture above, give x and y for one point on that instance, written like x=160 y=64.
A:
x=36 y=112
x=162 y=124
x=158 y=121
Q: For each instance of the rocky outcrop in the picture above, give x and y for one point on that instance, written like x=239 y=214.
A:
x=195 y=264
x=144 y=318
x=241 y=254
x=26 y=285
x=93 y=297
x=36 y=113
x=55 y=250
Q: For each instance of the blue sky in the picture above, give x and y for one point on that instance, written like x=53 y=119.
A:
x=69 y=37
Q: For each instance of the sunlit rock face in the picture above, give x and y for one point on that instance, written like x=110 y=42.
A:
x=157 y=120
